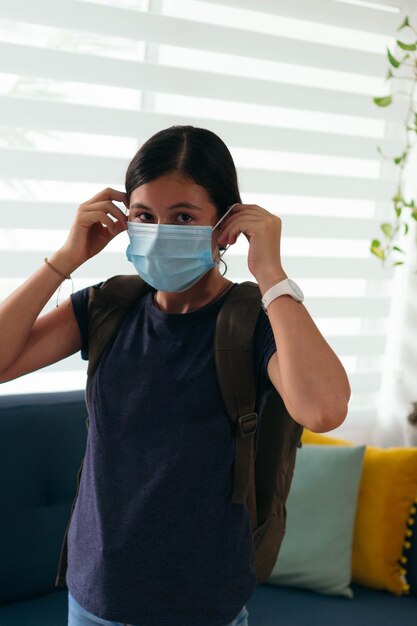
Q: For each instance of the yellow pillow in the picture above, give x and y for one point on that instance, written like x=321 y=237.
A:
x=384 y=522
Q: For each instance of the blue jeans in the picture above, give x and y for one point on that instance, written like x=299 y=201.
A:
x=77 y=616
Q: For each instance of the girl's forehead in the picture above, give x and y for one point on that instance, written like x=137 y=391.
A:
x=169 y=188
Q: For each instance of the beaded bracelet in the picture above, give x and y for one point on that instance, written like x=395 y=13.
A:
x=68 y=277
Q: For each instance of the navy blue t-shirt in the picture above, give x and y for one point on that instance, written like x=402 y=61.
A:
x=154 y=538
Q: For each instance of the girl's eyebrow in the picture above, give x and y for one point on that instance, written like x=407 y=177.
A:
x=187 y=205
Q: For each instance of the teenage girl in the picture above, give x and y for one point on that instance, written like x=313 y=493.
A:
x=154 y=539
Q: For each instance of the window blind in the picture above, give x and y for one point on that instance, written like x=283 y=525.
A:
x=287 y=86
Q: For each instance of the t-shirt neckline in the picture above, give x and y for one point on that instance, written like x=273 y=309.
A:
x=207 y=308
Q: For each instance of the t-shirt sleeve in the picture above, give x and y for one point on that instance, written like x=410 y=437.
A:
x=79 y=300
x=264 y=348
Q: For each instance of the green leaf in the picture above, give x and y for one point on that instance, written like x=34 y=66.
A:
x=407 y=46
x=398 y=211
x=387 y=229
x=414 y=214
x=383 y=101
x=389 y=74
x=381 y=153
x=397 y=248
x=404 y=24
x=398 y=160
x=399 y=263
x=376 y=249
x=405 y=228
x=392 y=59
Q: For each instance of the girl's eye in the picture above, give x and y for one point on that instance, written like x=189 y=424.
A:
x=186 y=215
x=150 y=214
x=139 y=215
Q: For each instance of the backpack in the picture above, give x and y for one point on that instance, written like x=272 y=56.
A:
x=261 y=481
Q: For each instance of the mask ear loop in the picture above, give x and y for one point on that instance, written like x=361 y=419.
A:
x=225 y=266
x=223 y=251
x=223 y=216
x=215 y=226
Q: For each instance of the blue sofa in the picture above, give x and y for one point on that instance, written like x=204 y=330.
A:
x=42 y=439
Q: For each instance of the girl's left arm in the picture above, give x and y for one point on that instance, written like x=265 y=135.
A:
x=305 y=370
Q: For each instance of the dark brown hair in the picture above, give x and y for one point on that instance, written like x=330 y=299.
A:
x=196 y=154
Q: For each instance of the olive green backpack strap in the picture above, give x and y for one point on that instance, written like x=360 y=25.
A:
x=261 y=481
x=107 y=306
x=234 y=344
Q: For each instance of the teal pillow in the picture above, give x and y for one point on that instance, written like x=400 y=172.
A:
x=316 y=551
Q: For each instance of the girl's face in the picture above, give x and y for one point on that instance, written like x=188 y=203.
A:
x=170 y=199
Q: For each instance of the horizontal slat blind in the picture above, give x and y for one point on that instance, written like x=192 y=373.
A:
x=59 y=65
x=40 y=115
x=79 y=94
x=176 y=31
x=359 y=17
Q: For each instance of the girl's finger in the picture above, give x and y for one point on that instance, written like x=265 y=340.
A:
x=103 y=218
x=108 y=207
x=108 y=194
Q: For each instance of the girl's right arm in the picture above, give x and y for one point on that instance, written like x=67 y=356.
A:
x=29 y=341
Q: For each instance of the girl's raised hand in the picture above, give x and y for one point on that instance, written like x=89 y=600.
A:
x=93 y=228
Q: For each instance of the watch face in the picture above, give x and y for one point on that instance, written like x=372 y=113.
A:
x=296 y=288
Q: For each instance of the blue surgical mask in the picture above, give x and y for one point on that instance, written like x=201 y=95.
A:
x=171 y=257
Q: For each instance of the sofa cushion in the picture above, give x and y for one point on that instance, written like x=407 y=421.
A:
x=270 y=605
x=273 y=605
x=49 y=609
x=316 y=551
x=387 y=493
x=42 y=443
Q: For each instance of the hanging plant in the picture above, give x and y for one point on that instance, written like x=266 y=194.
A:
x=384 y=247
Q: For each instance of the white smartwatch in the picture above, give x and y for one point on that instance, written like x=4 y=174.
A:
x=286 y=286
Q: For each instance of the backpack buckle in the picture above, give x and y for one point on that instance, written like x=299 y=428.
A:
x=247 y=424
